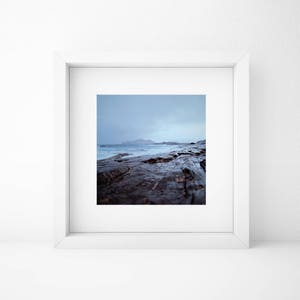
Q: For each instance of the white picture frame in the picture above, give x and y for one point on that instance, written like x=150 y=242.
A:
x=239 y=237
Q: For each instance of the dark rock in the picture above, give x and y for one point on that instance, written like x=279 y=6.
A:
x=119 y=156
x=171 y=178
x=158 y=160
x=203 y=164
x=106 y=178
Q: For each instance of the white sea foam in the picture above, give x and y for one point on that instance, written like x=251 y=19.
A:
x=106 y=151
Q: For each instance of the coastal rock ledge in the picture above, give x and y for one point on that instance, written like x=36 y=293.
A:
x=177 y=177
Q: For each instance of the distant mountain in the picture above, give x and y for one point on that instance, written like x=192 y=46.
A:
x=138 y=142
x=169 y=143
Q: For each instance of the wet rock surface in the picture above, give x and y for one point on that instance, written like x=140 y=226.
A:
x=177 y=177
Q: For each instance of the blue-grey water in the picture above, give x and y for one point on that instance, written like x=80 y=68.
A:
x=106 y=151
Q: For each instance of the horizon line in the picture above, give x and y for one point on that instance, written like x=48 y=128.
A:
x=152 y=142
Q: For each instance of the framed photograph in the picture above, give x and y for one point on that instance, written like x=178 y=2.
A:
x=152 y=150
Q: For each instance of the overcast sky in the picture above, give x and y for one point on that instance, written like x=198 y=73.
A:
x=175 y=118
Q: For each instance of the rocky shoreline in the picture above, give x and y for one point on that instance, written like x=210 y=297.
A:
x=177 y=177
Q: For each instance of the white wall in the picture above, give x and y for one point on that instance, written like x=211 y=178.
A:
x=31 y=30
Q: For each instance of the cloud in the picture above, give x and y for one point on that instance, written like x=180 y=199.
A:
x=179 y=118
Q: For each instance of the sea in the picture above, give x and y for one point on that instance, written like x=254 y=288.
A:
x=106 y=151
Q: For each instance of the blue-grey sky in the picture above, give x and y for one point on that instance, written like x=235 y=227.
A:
x=175 y=118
